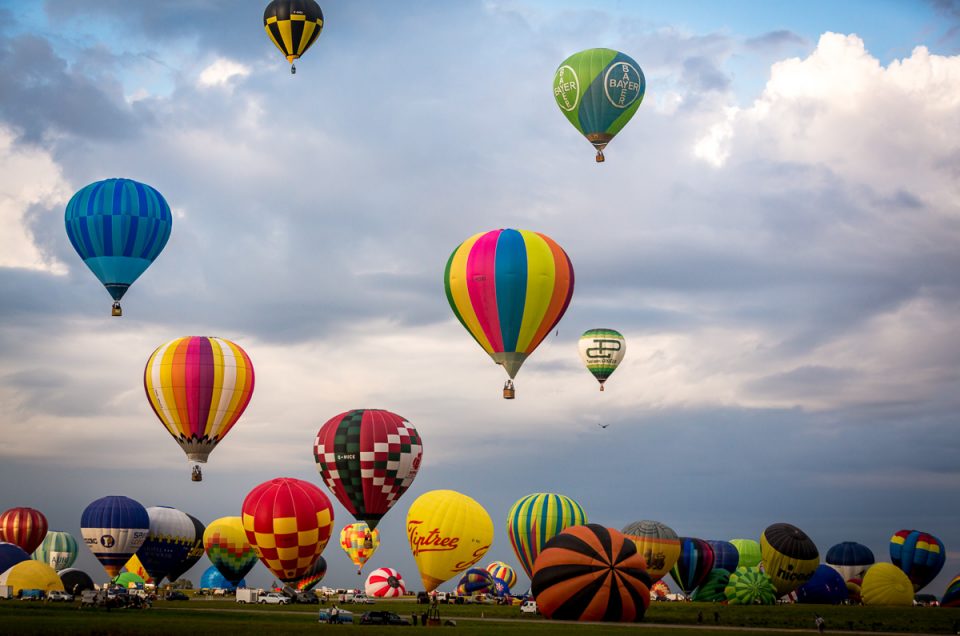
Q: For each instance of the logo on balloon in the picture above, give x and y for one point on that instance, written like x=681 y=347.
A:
x=477 y=555
x=622 y=84
x=107 y=541
x=431 y=542
x=655 y=561
x=565 y=86
x=604 y=348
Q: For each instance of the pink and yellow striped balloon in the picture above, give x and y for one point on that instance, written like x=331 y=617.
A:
x=199 y=388
x=509 y=288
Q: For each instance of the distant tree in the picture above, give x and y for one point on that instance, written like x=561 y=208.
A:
x=182 y=584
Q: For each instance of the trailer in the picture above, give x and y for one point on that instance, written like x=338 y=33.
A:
x=248 y=595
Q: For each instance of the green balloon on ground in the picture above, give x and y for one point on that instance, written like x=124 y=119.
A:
x=750 y=586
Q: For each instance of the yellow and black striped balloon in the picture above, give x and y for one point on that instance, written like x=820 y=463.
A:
x=293 y=25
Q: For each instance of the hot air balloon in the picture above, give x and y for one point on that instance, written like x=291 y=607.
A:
x=825 y=587
x=951 y=597
x=790 y=557
x=385 y=583
x=535 y=519
x=602 y=350
x=509 y=288
x=196 y=551
x=58 y=550
x=475 y=581
x=591 y=573
x=10 y=555
x=598 y=91
x=750 y=586
x=448 y=533
x=658 y=543
x=24 y=527
x=713 y=589
x=128 y=580
x=854 y=591
x=134 y=566
x=660 y=589
x=114 y=528
x=118 y=227
x=694 y=564
x=228 y=549
x=886 y=584
x=75 y=581
x=725 y=555
x=368 y=458
x=749 y=551
x=198 y=387
x=500 y=588
x=288 y=522
x=920 y=555
x=212 y=579
x=504 y=572
x=172 y=535
x=359 y=542
x=31 y=575
x=313 y=576
x=293 y=26
x=850 y=559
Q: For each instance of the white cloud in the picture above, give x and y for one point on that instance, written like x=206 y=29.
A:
x=221 y=72
x=28 y=176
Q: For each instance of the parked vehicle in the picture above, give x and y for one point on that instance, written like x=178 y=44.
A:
x=362 y=599
x=343 y=616
x=57 y=595
x=6 y=591
x=31 y=595
x=529 y=607
x=306 y=597
x=423 y=598
x=248 y=595
x=176 y=595
x=382 y=618
x=274 y=598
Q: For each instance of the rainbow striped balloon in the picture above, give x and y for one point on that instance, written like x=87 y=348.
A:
x=504 y=572
x=198 y=387
x=509 y=288
x=535 y=519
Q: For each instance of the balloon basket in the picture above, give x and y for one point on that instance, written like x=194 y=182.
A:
x=600 y=157
x=196 y=474
x=601 y=387
x=293 y=69
x=509 y=393
x=115 y=310
x=433 y=617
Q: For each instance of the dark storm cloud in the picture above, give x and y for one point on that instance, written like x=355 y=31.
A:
x=43 y=95
x=775 y=41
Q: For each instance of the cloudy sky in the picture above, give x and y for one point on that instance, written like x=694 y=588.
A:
x=776 y=234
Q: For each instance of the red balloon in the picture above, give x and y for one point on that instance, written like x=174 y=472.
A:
x=288 y=522
x=24 y=527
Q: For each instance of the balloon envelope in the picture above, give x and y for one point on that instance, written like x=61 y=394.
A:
x=75 y=581
x=312 y=576
x=658 y=543
x=504 y=572
x=694 y=564
x=385 y=583
x=535 y=519
x=10 y=555
x=293 y=25
x=951 y=597
x=288 y=522
x=850 y=559
x=825 y=587
x=24 y=527
x=920 y=555
x=359 y=542
x=211 y=579
x=713 y=589
x=598 y=91
x=118 y=227
x=475 y=581
x=886 y=584
x=749 y=551
x=725 y=555
x=448 y=532
x=227 y=548
x=196 y=551
x=128 y=580
x=750 y=586
x=198 y=388
x=114 y=528
x=31 y=575
x=368 y=458
x=591 y=573
x=509 y=288
x=790 y=557
x=171 y=537
x=133 y=565
x=602 y=350
x=58 y=550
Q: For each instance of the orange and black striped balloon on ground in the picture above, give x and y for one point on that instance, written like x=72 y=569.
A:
x=591 y=573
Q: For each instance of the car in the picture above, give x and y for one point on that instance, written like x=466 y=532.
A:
x=31 y=595
x=529 y=607
x=274 y=598
x=57 y=595
x=423 y=598
x=362 y=599
x=382 y=618
x=306 y=597
x=176 y=596
x=343 y=616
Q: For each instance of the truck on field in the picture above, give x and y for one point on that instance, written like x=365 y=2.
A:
x=248 y=595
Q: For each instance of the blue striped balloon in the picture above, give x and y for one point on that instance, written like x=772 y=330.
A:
x=118 y=227
x=114 y=528
x=212 y=579
x=725 y=555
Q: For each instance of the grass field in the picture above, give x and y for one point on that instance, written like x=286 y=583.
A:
x=678 y=619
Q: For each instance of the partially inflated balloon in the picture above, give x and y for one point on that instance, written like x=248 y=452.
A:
x=195 y=554
x=118 y=227
x=598 y=91
x=504 y=572
x=288 y=522
x=359 y=542
x=750 y=586
x=749 y=551
x=713 y=589
x=920 y=555
x=951 y=597
x=591 y=573
x=509 y=288
x=658 y=543
x=31 y=575
x=602 y=350
x=790 y=557
x=228 y=549
x=368 y=458
x=75 y=581
x=825 y=587
x=58 y=550
x=212 y=579
x=128 y=580
x=886 y=584
x=10 y=555
x=198 y=387
x=114 y=528
x=660 y=589
x=293 y=26
x=448 y=533
x=312 y=576
x=385 y=583
x=850 y=559
x=535 y=519
x=694 y=564
x=24 y=527
x=134 y=566
x=475 y=581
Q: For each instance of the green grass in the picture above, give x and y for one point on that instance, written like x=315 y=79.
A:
x=211 y=617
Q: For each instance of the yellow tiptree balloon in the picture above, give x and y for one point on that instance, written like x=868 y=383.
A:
x=359 y=542
x=448 y=532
